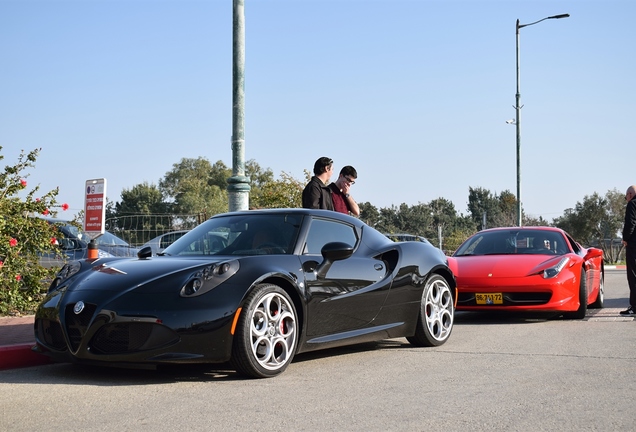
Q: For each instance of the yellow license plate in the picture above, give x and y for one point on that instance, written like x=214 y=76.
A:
x=489 y=299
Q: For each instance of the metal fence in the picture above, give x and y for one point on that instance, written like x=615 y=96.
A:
x=138 y=229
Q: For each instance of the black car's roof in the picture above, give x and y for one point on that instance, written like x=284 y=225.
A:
x=299 y=211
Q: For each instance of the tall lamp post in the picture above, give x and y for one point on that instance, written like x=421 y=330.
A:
x=518 y=107
x=238 y=185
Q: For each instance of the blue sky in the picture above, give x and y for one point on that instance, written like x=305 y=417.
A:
x=413 y=93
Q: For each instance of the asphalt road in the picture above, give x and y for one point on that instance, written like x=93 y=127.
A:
x=495 y=373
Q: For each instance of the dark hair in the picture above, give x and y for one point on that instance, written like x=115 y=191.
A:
x=349 y=171
x=321 y=165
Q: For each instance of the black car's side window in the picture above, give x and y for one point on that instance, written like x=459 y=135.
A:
x=324 y=231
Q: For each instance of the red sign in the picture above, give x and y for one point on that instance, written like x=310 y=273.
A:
x=95 y=207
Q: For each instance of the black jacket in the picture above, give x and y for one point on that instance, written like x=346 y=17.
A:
x=629 y=229
x=317 y=195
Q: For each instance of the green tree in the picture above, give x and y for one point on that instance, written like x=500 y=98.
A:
x=463 y=227
x=144 y=198
x=443 y=215
x=369 y=214
x=427 y=220
x=23 y=237
x=497 y=210
x=389 y=221
x=141 y=215
x=264 y=189
x=194 y=186
x=584 y=221
x=417 y=220
x=596 y=222
x=219 y=173
x=257 y=175
x=533 y=221
x=414 y=220
x=507 y=209
x=483 y=207
x=283 y=193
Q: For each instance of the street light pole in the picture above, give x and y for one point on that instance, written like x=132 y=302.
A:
x=238 y=185
x=518 y=107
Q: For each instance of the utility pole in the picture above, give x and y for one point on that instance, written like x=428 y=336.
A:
x=518 y=107
x=238 y=185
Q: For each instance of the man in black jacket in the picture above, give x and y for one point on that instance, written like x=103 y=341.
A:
x=629 y=241
x=317 y=194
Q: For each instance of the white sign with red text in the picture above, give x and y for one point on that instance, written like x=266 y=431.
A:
x=95 y=207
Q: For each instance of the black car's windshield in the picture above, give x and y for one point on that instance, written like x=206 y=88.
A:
x=514 y=242
x=240 y=234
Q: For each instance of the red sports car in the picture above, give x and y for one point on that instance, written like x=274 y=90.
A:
x=538 y=269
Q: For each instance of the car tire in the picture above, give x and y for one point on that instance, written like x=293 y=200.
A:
x=436 y=316
x=582 y=310
x=600 y=298
x=266 y=333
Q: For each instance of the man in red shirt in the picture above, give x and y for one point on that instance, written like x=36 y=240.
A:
x=343 y=202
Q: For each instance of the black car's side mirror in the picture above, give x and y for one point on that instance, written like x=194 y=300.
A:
x=145 y=252
x=334 y=251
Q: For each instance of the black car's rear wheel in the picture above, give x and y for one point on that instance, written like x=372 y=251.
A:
x=266 y=333
x=435 y=321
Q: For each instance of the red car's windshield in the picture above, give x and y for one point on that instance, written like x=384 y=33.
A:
x=513 y=241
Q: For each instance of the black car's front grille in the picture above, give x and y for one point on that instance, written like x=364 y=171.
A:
x=50 y=333
x=121 y=338
x=76 y=324
x=509 y=299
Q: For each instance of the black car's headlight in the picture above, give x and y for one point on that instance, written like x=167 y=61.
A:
x=67 y=271
x=554 y=271
x=209 y=278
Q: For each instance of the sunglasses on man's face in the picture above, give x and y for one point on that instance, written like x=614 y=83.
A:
x=350 y=181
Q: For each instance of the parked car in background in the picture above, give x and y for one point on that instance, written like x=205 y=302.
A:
x=540 y=269
x=112 y=244
x=406 y=237
x=73 y=245
x=159 y=243
x=253 y=288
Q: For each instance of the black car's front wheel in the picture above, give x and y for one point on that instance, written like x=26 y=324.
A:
x=437 y=311
x=266 y=333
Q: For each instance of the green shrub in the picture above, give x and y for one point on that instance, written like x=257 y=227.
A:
x=23 y=236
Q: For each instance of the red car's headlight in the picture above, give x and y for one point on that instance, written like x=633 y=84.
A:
x=555 y=269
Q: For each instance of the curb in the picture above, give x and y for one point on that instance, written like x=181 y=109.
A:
x=20 y=355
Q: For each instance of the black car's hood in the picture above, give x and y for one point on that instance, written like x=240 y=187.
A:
x=116 y=275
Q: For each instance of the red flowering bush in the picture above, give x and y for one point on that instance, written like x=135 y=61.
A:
x=23 y=281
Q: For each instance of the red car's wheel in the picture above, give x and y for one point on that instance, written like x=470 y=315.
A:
x=582 y=310
x=600 y=298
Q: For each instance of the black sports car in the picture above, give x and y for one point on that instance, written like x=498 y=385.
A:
x=253 y=288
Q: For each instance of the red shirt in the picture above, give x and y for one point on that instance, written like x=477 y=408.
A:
x=340 y=202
